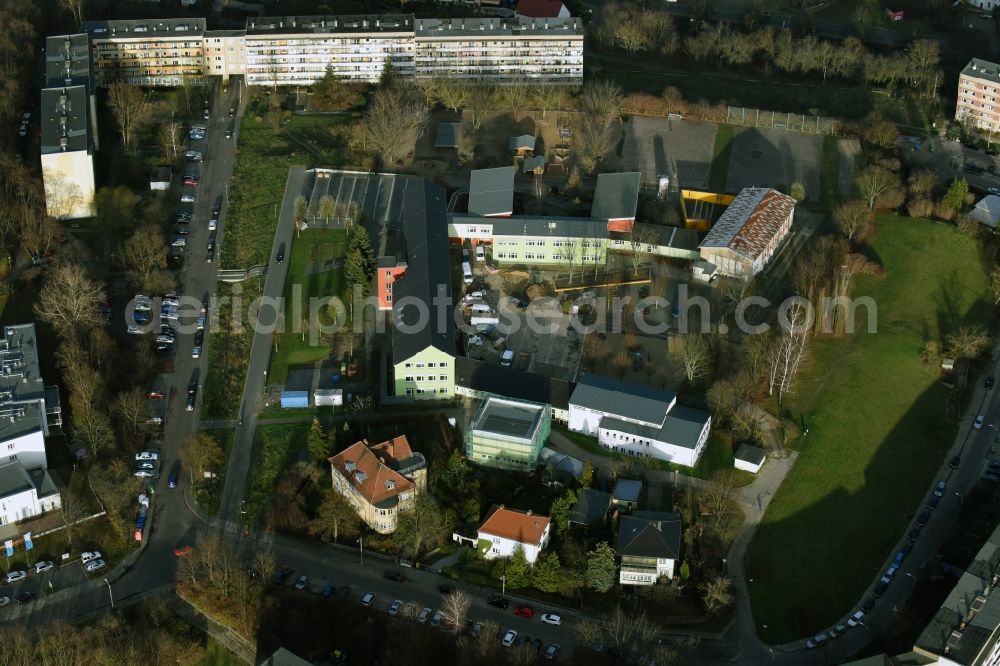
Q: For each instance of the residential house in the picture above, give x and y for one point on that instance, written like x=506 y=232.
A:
x=506 y=530
x=749 y=458
x=24 y=495
x=648 y=548
x=591 y=507
x=508 y=434
x=521 y=145
x=542 y=9
x=987 y=211
x=380 y=481
x=638 y=420
x=746 y=236
x=977 y=95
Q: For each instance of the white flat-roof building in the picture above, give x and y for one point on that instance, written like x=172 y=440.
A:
x=27 y=407
x=25 y=495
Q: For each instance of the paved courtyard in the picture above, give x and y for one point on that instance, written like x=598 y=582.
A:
x=774 y=158
x=681 y=149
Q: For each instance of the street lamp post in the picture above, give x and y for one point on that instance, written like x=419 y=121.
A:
x=109 y=593
x=361 y=546
x=503 y=585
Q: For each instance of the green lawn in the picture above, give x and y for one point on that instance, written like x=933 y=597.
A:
x=228 y=352
x=877 y=434
x=208 y=492
x=312 y=247
x=275 y=448
x=721 y=153
x=217 y=655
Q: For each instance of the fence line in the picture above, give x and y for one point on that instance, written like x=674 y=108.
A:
x=793 y=122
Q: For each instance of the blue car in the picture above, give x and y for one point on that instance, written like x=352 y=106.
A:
x=172 y=480
x=328 y=590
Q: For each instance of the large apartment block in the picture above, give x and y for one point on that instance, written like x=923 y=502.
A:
x=298 y=50
x=977 y=95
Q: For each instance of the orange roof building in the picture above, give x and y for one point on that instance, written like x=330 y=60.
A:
x=749 y=232
x=506 y=530
x=379 y=480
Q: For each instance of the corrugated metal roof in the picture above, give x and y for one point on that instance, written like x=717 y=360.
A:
x=751 y=221
x=491 y=191
x=616 y=196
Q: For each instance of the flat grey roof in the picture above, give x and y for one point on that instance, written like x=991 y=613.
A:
x=65 y=114
x=613 y=397
x=591 y=506
x=498 y=27
x=627 y=490
x=67 y=60
x=491 y=191
x=330 y=24
x=514 y=418
x=972 y=601
x=982 y=69
x=447 y=135
x=142 y=28
x=22 y=391
x=683 y=426
x=511 y=383
x=14 y=480
x=751 y=454
x=616 y=196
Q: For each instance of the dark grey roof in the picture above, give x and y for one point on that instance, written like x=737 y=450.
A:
x=65 y=115
x=532 y=163
x=511 y=383
x=683 y=426
x=631 y=401
x=22 y=391
x=142 y=28
x=67 y=60
x=523 y=141
x=498 y=27
x=627 y=490
x=491 y=191
x=751 y=454
x=616 y=195
x=972 y=596
x=591 y=507
x=14 y=479
x=982 y=69
x=650 y=534
x=447 y=135
x=368 y=23
x=283 y=657
x=44 y=485
x=675 y=237
x=160 y=175
x=428 y=273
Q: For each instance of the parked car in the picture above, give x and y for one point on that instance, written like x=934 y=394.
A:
x=300 y=584
x=445 y=589
x=146 y=464
x=551 y=651
x=281 y=575
x=328 y=590
x=436 y=618
x=524 y=611
x=480 y=253
x=424 y=615
x=188 y=197
x=924 y=517
x=172 y=480
x=368 y=599
x=25 y=598
x=912 y=536
x=394 y=607
x=193 y=156
x=990 y=383
x=183 y=551
x=509 y=638
x=145 y=473
x=551 y=618
x=94 y=565
x=978 y=423
x=498 y=601
x=954 y=462
x=229 y=134
x=837 y=631
x=879 y=588
x=394 y=576
x=89 y=555
x=213 y=223
x=206 y=115
x=4 y=601
x=15 y=576
x=191 y=400
x=855 y=619
x=939 y=489
x=868 y=605
x=816 y=641
x=147 y=455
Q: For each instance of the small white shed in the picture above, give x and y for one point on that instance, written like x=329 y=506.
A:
x=749 y=458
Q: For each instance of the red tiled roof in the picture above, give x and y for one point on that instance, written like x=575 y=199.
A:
x=396 y=449
x=539 y=8
x=521 y=526
x=371 y=483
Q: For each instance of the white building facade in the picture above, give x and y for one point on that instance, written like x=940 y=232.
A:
x=507 y=530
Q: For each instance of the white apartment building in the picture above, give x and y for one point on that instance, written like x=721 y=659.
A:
x=507 y=530
x=67 y=152
x=27 y=407
x=977 y=95
x=298 y=50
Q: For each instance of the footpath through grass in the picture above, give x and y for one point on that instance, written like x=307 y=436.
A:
x=877 y=434
x=311 y=273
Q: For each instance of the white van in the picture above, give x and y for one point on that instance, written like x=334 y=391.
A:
x=481 y=307
x=467 y=272
x=507 y=358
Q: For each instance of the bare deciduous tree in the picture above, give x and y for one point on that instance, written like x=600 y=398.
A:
x=593 y=141
x=455 y=610
x=144 y=257
x=396 y=118
x=788 y=352
x=967 y=342
x=852 y=217
x=587 y=631
x=130 y=106
x=717 y=593
x=480 y=103
x=132 y=408
x=547 y=96
x=694 y=357
x=170 y=139
x=875 y=182
x=601 y=98
x=201 y=452
x=75 y=7
x=70 y=301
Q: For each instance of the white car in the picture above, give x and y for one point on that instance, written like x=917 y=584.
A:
x=509 y=638
x=146 y=464
x=551 y=618
x=4 y=601
x=475 y=341
x=145 y=473
x=94 y=565
x=199 y=324
x=474 y=296
x=424 y=614
x=14 y=576
x=212 y=224
x=368 y=599
x=855 y=619
x=394 y=607
x=480 y=253
x=816 y=641
x=147 y=455
x=979 y=422
x=90 y=555
x=195 y=352
x=43 y=566
x=180 y=241
x=134 y=330
x=187 y=197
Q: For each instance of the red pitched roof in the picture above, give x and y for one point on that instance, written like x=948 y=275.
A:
x=362 y=465
x=521 y=526
x=396 y=449
x=540 y=8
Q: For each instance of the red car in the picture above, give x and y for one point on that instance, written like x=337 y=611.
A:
x=184 y=551
x=191 y=182
x=524 y=611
